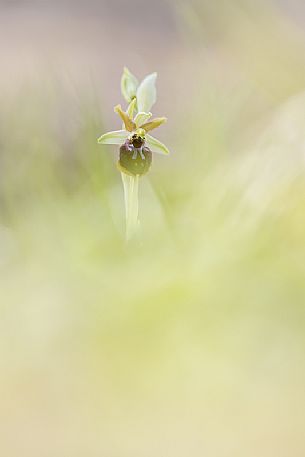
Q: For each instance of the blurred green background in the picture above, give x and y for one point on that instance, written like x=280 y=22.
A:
x=190 y=343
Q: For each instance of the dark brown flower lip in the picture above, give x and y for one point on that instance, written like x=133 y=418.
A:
x=134 y=161
x=133 y=144
x=136 y=141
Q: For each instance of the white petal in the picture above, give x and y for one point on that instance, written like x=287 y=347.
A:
x=141 y=118
x=115 y=137
x=156 y=145
x=146 y=93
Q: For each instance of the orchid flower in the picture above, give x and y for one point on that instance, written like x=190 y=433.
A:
x=136 y=143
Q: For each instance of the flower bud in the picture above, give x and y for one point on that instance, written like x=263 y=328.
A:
x=129 y=85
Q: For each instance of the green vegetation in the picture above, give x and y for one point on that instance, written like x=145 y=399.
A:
x=190 y=342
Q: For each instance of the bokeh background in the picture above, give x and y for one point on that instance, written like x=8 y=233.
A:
x=190 y=342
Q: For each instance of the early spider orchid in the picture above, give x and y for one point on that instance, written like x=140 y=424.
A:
x=136 y=145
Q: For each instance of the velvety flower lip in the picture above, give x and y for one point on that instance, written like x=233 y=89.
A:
x=133 y=161
x=137 y=118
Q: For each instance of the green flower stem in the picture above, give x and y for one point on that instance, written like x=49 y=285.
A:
x=131 y=195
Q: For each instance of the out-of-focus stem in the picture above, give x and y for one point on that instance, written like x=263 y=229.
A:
x=131 y=195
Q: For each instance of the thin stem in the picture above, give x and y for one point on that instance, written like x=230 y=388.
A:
x=131 y=196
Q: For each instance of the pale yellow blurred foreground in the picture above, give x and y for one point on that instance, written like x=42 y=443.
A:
x=190 y=343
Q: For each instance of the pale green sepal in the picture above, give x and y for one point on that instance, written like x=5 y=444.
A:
x=115 y=137
x=129 y=85
x=131 y=108
x=141 y=118
x=156 y=145
x=146 y=93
